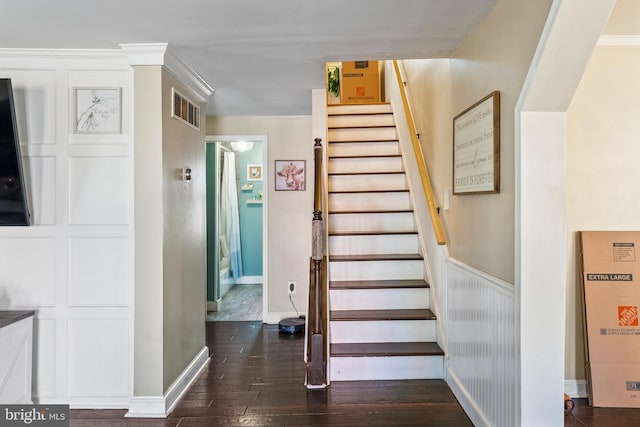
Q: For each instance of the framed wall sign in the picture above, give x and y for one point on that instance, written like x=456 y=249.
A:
x=290 y=175
x=97 y=110
x=476 y=147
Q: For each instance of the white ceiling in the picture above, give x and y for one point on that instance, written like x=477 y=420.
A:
x=262 y=57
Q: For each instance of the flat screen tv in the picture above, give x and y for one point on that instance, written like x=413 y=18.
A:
x=13 y=200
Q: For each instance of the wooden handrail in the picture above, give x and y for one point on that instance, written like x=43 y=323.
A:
x=422 y=164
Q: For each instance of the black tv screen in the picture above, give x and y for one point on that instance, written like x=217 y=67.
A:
x=13 y=201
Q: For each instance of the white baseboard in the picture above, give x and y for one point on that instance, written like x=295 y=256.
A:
x=249 y=280
x=470 y=406
x=88 y=402
x=146 y=407
x=184 y=380
x=273 y=317
x=576 y=388
x=161 y=406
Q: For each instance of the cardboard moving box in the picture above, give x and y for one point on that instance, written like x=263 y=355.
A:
x=360 y=82
x=611 y=286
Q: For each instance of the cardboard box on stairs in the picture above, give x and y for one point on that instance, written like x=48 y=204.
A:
x=361 y=82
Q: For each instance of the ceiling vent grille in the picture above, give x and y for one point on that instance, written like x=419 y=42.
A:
x=185 y=110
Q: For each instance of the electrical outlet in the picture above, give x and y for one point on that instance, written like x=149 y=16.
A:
x=291 y=287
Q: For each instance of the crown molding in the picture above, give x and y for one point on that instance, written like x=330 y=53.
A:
x=619 y=40
x=81 y=59
x=62 y=53
x=160 y=54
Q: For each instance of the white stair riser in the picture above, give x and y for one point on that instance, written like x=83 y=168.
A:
x=357 y=120
x=401 y=221
x=365 y=164
x=369 y=201
x=362 y=134
x=367 y=182
x=379 y=244
x=382 y=331
x=386 y=368
x=379 y=148
x=359 y=109
x=376 y=270
x=379 y=299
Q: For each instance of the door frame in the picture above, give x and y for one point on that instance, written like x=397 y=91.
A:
x=212 y=139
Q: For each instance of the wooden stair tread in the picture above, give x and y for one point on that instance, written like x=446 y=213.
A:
x=371 y=233
x=372 y=156
x=359 y=104
x=404 y=190
x=377 y=284
x=386 y=349
x=360 y=113
x=368 y=211
x=364 y=113
x=368 y=173
x=359 y=126
x=361 y=140
x=340 y=141
x=405 y=314
x=376 y=257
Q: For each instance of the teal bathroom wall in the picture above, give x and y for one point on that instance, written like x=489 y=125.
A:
x=250 y=207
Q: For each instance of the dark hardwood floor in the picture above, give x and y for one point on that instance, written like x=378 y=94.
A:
x=585 y=416
x=255 y=378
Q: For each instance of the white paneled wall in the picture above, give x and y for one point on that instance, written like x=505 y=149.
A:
x=74 y=265
x=481 y=333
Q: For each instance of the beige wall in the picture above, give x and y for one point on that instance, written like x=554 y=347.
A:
x=603 y=177
x=184 y=282
x=170 y=234
x=148 y=336
x=289 y=212
x=601 y=146
x=495 y=56
x=624 y=18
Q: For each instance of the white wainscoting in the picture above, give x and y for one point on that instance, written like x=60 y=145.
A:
x=481 y=334
x=74 y=265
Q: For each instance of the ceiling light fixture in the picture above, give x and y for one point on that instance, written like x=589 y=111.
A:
x=241 y=146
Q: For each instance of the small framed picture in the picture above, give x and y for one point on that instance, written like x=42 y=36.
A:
x=254 y=172
x=97 y=110
x=290 y=175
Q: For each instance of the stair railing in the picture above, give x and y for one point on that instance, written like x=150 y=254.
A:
x=420 y=160
x=317 y=310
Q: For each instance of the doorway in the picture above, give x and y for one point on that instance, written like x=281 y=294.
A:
x=236 y=227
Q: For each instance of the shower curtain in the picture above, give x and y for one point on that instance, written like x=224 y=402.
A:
x=230 y=217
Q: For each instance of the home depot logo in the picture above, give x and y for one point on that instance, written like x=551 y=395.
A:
x=628 y=315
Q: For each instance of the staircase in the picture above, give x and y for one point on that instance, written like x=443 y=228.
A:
x=381 y=326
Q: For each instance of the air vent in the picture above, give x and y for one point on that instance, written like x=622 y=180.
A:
x=185 y=110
